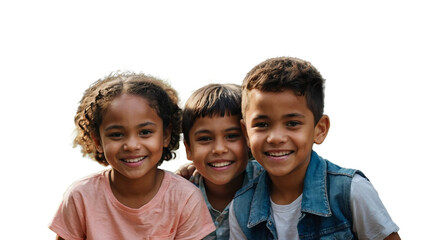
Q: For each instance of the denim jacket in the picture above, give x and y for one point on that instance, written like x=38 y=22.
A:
x=326 y=212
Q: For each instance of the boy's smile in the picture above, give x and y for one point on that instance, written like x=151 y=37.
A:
x=280 y=131
x=218 y=148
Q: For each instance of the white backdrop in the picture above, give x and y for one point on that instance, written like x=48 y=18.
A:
x=372 y=54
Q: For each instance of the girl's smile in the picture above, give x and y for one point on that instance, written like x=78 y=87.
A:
x=132 y=137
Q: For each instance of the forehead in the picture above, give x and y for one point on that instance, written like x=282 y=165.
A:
x=216 y=123
x=275 y=103
x=128 y=108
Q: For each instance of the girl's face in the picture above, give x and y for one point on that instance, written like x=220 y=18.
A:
x=132 y=137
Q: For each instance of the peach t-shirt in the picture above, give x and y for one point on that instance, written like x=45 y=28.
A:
x=90 y=211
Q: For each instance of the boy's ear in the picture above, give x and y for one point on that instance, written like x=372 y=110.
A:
x=167 y=136
x=98 y=142
x=188 y=150
x=321 y=129
x=244 y=129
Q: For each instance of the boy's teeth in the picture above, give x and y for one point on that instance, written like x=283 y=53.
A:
x=220 y=164
x=133 y=160
x=279 y=154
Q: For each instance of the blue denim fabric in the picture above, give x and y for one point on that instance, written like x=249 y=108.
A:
x=221 y=219
x=326 y=212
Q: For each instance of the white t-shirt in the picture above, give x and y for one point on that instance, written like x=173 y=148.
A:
x=370 y=218
x=286 y=218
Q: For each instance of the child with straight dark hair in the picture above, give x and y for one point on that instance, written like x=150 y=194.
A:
x=300 y=195
x=215 y=144
x=132 y=123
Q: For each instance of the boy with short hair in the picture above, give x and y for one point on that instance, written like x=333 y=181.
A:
x=215 y=143
x=300 y=195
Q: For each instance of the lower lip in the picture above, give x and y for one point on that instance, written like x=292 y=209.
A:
x=221 y=168
x=133 y=164
x=278 y=159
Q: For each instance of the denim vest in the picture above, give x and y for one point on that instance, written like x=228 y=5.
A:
x=326 y=211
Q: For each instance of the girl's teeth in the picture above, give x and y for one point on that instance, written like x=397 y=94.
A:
x=220 y=164
x=133 y=160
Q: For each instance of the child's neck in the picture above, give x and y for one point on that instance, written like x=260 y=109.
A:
x=284 y=190
x=135 y=193
x=220 y=196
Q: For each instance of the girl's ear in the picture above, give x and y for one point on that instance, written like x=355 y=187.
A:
x=188 y=151
x=244 y=129
x=167 y=136
x=321 y=129
x=98 y=142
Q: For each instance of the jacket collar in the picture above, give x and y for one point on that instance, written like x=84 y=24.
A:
x=314 y=200
x=315 y=196
x=260 y=205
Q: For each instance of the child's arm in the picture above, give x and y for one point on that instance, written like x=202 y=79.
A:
x=187 y=170
x=370 y=217
x=393 y=236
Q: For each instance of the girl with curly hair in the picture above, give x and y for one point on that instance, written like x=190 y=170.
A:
x=130 y=122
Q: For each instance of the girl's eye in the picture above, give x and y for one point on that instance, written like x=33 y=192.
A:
x=115 y=135
x=145 y=132
x=204 y=139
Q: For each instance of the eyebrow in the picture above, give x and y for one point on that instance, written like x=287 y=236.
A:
x=233 y=129
x=112 y=127
x=290 y=115
x=201 y=131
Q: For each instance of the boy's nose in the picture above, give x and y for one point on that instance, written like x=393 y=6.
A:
x=219 y=147
x=277 y=137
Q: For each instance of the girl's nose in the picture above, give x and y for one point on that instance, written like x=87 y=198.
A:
x=131 y=144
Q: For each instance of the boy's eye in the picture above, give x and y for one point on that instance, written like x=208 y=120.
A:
x=293 y=123
x=233 y=136
x=260 y=125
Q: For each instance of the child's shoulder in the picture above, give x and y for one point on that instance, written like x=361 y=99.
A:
x=254 y=168
x=320 y=164
x=178 y=183
x=88 y=184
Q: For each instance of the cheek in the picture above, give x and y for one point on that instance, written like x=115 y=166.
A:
x=199 y=152
x=254 y=140
x=240 y=149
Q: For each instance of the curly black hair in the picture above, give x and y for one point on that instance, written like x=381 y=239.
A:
x=160 y=95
